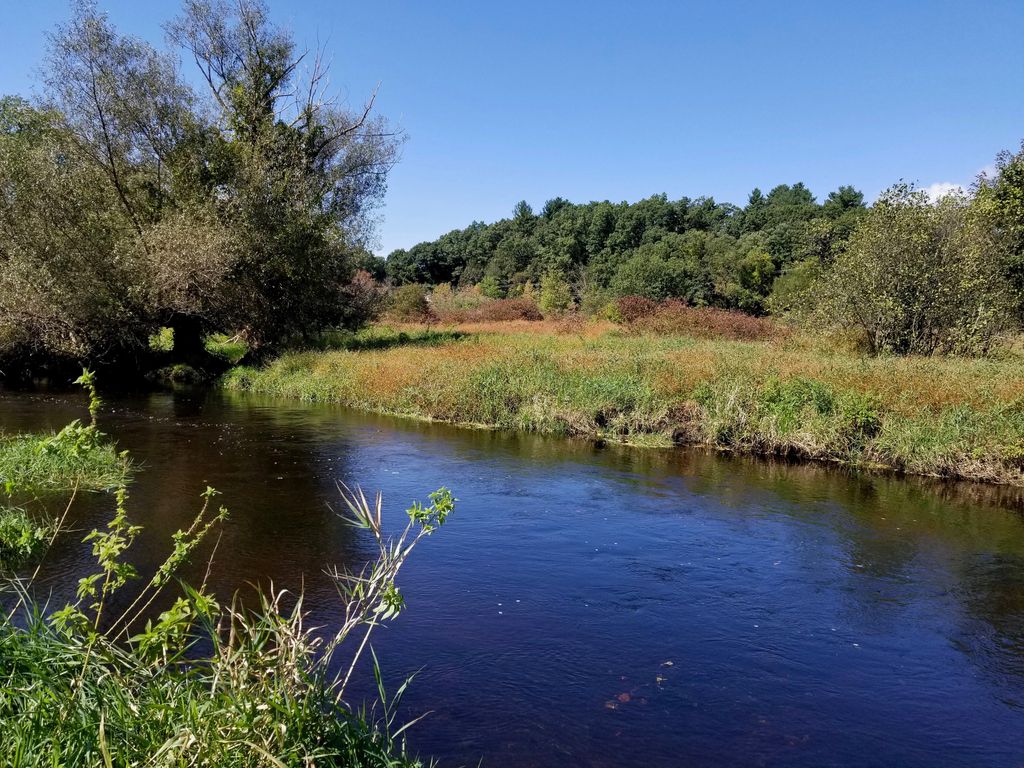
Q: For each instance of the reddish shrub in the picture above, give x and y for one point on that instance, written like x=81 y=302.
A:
x=362 y=300
x=632 y=308
x=673 y=317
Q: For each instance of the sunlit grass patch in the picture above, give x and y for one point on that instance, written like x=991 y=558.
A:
x=77 y=456
x=789 y=395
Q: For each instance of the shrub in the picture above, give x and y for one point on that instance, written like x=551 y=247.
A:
x=632 y=308
x=491 y=288
x=409 y=303
x=505 y=310
x=363 y=300
x=455 y=306
x=919 y=278
x=673 y=317
x=555 y=295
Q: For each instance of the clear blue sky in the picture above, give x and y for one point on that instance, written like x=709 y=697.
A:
x=595 y=100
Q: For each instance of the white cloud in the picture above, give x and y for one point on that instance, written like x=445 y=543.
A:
x=989 y=170
x=940 y=189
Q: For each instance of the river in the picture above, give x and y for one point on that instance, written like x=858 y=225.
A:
x=606 y=606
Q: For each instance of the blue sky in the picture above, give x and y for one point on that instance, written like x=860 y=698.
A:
x=595 y=100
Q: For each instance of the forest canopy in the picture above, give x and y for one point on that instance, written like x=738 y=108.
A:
x=699 y=250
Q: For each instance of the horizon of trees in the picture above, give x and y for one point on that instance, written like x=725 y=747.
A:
x=695 y=249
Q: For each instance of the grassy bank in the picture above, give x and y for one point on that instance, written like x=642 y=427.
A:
x=79 y=457
x=948 y=417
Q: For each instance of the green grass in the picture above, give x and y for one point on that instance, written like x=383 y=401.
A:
x=77 y=456
x=229 y=348
x=22 y=539
x=947 y=417
x=197 y=684
x=71 y=700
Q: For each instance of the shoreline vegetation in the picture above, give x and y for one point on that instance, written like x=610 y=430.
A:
x=177 y=677
x=786 y=395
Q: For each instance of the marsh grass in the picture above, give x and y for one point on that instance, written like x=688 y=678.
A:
x=791 y=396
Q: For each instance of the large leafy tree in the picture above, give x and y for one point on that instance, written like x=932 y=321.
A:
x=1000 y=203
x=246 y=208
x=919 y=278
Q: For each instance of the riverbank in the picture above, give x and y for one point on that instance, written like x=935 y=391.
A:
x=944 y=417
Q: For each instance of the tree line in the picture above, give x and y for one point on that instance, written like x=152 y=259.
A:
x=699 y=250
x=910 y=275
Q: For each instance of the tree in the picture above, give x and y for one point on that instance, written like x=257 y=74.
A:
x=303 y=173
x=132 y=203
x=674 y=267
x=1000 y=204
x=555 y=295
x=918 y=278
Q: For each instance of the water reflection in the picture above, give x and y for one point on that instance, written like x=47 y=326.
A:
x=608 y=606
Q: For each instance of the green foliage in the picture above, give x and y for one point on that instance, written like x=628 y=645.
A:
x=134 y=204
x=671 y=267
x=491 y=288
x=85 y=687
x=555 y=295
x=409 y=302
x=1000 y=206
x=229 y=348
x=793 y=292
x=162 y=340
x=78 y=455
x=919 y=278
x=699 y=250
x=21 y=538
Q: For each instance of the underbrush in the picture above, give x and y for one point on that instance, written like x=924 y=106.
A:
x=676 y=318
x=496 y=310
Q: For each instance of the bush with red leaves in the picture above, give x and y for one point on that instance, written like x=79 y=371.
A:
x=632 y=308
x=673 y=317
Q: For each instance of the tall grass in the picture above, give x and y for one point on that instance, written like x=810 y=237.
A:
x=176 y=678
x=79 y=456
x=959 y=418
x=201 y=684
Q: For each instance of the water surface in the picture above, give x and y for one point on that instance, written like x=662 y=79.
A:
x=592 y=606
